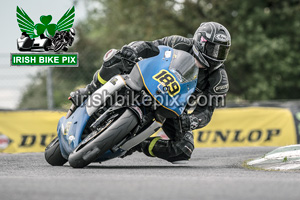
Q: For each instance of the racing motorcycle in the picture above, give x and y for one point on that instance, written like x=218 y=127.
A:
x=62 y=40
x=101 y=129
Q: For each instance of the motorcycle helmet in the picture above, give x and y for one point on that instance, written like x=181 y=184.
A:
x=211 y=44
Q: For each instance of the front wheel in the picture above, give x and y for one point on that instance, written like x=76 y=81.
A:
x=53 y=154
x=115 y=131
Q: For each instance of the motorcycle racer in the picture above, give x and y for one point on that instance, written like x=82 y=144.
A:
x=209 y=46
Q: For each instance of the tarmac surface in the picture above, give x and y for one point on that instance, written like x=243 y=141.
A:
x=212 y=173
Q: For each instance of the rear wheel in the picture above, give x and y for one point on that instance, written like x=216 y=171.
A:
x=113 y=132
x=53 y=154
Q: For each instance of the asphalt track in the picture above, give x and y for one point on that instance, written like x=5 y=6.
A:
x=212 y=173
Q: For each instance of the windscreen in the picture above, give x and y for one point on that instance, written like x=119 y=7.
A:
x=183 y=66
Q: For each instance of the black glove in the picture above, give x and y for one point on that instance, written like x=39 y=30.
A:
x=129 y=53
x=189 y=122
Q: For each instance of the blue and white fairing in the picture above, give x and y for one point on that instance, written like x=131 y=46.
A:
x=70 y=130
x=170 y=77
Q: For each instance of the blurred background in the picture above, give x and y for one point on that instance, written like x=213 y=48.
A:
x=263 y=63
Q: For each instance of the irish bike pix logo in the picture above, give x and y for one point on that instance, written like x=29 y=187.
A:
x=45 y=43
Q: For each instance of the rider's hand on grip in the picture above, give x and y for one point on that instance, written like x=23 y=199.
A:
x=129 y=53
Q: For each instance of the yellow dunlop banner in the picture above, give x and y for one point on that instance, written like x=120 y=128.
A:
x=32 y=131
x=27 y=131
x=252 y=126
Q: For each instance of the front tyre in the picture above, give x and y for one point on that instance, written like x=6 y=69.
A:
x=112 y=135
x=53 y=154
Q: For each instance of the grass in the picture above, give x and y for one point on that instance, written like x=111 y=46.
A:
x=285 y=159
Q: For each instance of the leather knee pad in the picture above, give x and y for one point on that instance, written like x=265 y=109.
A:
x=185 y=148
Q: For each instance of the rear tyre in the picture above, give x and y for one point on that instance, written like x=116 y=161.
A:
x=112 y=135
x=53 y=154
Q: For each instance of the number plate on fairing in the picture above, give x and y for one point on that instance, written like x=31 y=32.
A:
x=165 y=86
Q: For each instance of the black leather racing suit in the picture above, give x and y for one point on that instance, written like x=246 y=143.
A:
x=212 y=85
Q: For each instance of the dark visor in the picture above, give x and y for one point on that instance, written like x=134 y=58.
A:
x=216 y=51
